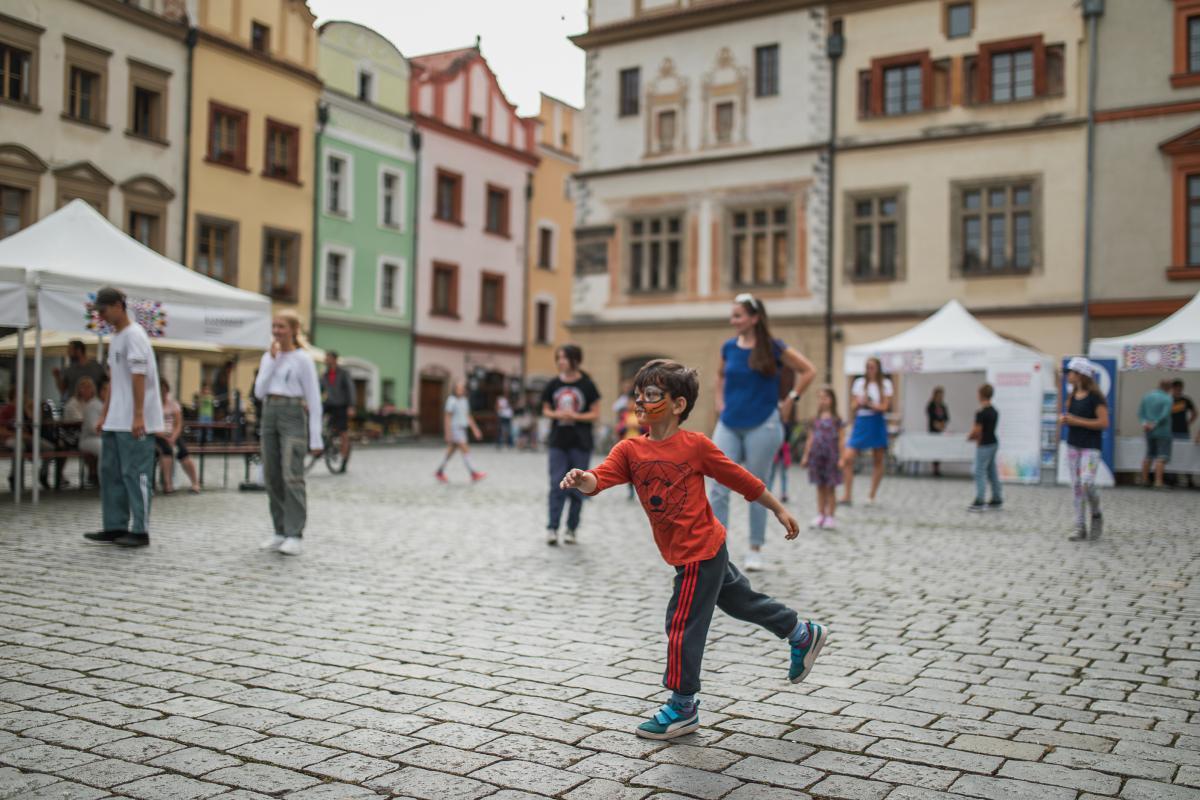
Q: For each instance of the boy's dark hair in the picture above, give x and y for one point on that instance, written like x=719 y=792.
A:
x=986 y=391
x=1176 y=384
x=573 y=353
x=673 y=378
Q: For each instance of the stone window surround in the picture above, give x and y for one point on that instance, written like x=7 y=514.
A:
x=155 y=79
x=232 y=231
x=1181 y=76
x=957 y=189
x=293 y=147
x=293 y=266
x=24 y=36
x=398 y=201
x=486 y=277
x=850 y=222
x=399 y=297
x=345 y=279
x=144 y=194
x=451 y=310
x=91 y=58
x=26 y=176
x=1183 y=153
x=81 y=180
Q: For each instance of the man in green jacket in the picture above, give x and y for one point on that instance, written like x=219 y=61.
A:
x=1154 y=413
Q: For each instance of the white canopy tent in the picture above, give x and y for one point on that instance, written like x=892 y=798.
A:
x=1143 y=359
x=71 y=253
x=952 y=349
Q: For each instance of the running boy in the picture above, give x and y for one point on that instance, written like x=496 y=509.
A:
x=667 y=468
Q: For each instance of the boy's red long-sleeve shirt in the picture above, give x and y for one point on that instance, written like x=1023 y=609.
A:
x=668 y=477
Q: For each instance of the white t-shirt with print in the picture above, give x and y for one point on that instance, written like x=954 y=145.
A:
x=459 y=409
x=861 y=388
x=130 y=354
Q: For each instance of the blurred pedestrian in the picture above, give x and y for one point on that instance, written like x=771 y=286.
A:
x=172 y=438
x=1183 y=414
x=85 y=408
x=571 y=402
x=459 y=426
x=938 y=417
x=870 y=402
x=1154 y=413
x=823 y=446
x=1085 y=413
x=337 y=390
x=983 y=434
x=78 y=366
x=504 y=422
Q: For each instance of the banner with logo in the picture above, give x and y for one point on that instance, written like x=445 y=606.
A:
x=1106 y=383
x=1017 y=398
x=67 y=310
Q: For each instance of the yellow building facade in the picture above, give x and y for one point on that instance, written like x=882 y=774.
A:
x=551 y=251
x=255 y=94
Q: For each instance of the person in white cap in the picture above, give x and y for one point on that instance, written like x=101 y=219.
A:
x=1085 y=413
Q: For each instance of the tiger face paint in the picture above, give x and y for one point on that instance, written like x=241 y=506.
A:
x=652 y=405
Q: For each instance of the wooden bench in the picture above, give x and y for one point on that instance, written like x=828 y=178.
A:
x=245 y=449
x=50 y=455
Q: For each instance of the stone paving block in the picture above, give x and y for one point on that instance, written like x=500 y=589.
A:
x=428 y=785
x=529 y=748
x=332 y=791
x=772 y=748
x=528 y=776
x=706 y=758
x=918 y=793
x=14 y=781
x=1008 y=789
x=285 y=752
x=379 y=744
x=262 y=778
x=916 y=775
x=1137 y=789
x=352 y=767
x=763 y=770
x=1005 y=748
x=757 y=791
x=844 y=787
x=46 y=758
x=610 y=766
x=623 y=744
x=170 y=787
x=63 y=790
x=934 y=756
x=689 y=781
x=445 y=759
x=194 y=761
x=310 y=730
x=220 y=737
x=1112 y=762
x=544 y=727
x=599 y=789
x=382 y=720
x=456 y=734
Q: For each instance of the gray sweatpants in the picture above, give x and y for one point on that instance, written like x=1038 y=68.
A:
x=126 y=481
x=700 y=587
x=284 y=448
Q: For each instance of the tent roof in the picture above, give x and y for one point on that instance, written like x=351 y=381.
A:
x=948 y=340
x=1182 y=327
x=76 y=247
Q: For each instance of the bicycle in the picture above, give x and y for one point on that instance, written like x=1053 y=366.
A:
x=331 y=451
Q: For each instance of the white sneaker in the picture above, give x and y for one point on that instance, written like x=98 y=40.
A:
x=830 y=524
x=291 y=546
x=754 y=561
x=570 y=537
x=273 y=544
x=552 y=537
x=817 y=521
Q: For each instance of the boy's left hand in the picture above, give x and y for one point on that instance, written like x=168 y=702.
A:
x=788 y=522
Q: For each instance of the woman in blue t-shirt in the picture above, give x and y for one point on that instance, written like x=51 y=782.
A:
x=748 y=426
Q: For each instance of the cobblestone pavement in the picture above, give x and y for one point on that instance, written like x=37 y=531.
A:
x=428 y=644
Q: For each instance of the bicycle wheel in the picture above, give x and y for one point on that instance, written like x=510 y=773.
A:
x=333 y=457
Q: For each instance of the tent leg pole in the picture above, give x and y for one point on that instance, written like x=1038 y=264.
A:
x=35 y=467
x=18 y=466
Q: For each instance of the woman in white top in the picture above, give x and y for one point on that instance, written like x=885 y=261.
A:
x=870 y=402
x=291 y=428
x=85 y=408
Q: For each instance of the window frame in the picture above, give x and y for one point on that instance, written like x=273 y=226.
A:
x=501 y=281
x=664 y=237
x=503 y=193
x=1183 y=153
x=438 y=175
x=983 y=69
x=242 y=121
x=142 y=199
x=150 y=78
x=360 y=73
x=292 y=267
x=716 y=129
x=550 y=262
x=958 y=215
x=629 y=105
x=345 y=211
x=26 y=37
x=399 y=204
x=399 y=307
x=876 y=220
x=26 y=214
x=770 y=205
x=766 y=85
x=874 y=84
x=255 y=27
x=1182 y=75
x=451 y=269
x=541 y=337
x=232 y=230
x=656 y=133
x=292 y=175
x=91 y=59
x=947 y=8
x=345 y=280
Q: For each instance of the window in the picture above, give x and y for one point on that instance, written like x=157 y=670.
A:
x=387 y=391
x=283 y=151
x=391 y=201
x=389 y=286
x=1193 y=220
x=216 y=249
x=497 y=210
x=448 y=201
x=1012 y=76
x=477 y=124
x=902 y=89
x=565 y=142
x=664 y=131
x=996 y=227
x=1183 y=158
x=491 y=298
x=723 y=121
x=338 y=287
x=445 y=290
x=14 y=210
x=86 y=82
x=280 y=268
x=655 y=253
x=15 y=72
x=542 y=322
x=1055 y=66
x=82 y=181
x=960 y=20
x=759 y=246
x=339 y=184
x=545 y=247
x=1186 y=61
x=227 y=136
x=147 y=105
x=144 y=228
x=766 y=70
x=366 y=85
x=1193 y=47
x=260 y=38
x=630 y=91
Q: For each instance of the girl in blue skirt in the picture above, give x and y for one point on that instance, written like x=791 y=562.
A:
x=870 y=401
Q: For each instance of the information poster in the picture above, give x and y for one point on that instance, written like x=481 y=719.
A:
x=1107 y=384
x=1018 y=399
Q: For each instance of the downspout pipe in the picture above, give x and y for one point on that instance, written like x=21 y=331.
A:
x=414 y=138
x=835 y=46
x=322 y=118
x=192 y=36
x=1092 y=11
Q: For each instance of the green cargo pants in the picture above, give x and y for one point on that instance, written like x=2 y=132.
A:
x=126 y=480
x=284 y=448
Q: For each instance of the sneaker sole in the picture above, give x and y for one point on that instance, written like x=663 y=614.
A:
x=683 y=730
x=811 y=657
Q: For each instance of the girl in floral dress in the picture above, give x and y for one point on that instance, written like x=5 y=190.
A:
x=826 y=435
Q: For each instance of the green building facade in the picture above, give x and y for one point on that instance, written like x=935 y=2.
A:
x=366 y=205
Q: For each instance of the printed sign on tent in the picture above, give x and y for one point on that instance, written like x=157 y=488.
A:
x=1018 y=398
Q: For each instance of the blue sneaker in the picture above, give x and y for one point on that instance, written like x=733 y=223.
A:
x=668 y=722
x=804 y=657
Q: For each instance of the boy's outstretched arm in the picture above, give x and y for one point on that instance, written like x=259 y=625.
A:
x=579 y=479
x=785 y=518
x=612 y=471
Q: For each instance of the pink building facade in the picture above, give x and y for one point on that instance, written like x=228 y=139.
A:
x=477 y=158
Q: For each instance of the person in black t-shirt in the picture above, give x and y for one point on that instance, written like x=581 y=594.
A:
x=571 y=401
x=1085 y=414
x=1183 y=414
x=983 y=433
x=939 y=418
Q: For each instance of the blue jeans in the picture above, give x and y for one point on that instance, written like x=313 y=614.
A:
x=504 y=432
x=562 y=462
x=753 y=448
x=985 y=473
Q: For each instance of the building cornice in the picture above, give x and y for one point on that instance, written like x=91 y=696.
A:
x=696 y=162
x=348 y=102
x=1151 y=110
x=265 y=60
x=146 y=19
x=561 y=155
x=363 y=323
x=469 y=344
x=434 y=124
x=902 y=315
x=658 y=24
x=966 y=133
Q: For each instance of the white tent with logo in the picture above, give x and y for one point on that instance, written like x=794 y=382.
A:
x=1143 y=359
x=73 y=252
x=954 y=350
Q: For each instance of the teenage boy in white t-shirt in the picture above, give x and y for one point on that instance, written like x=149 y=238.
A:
x=131 y=417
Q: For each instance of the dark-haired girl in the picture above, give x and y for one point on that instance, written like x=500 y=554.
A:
x=571 y=402
x=1085 y=413
x=870 y=402
x=748 y=428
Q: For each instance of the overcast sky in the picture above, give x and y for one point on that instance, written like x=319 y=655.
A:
x=524 y=41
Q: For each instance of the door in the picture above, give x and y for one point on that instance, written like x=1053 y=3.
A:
x=431 y=405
